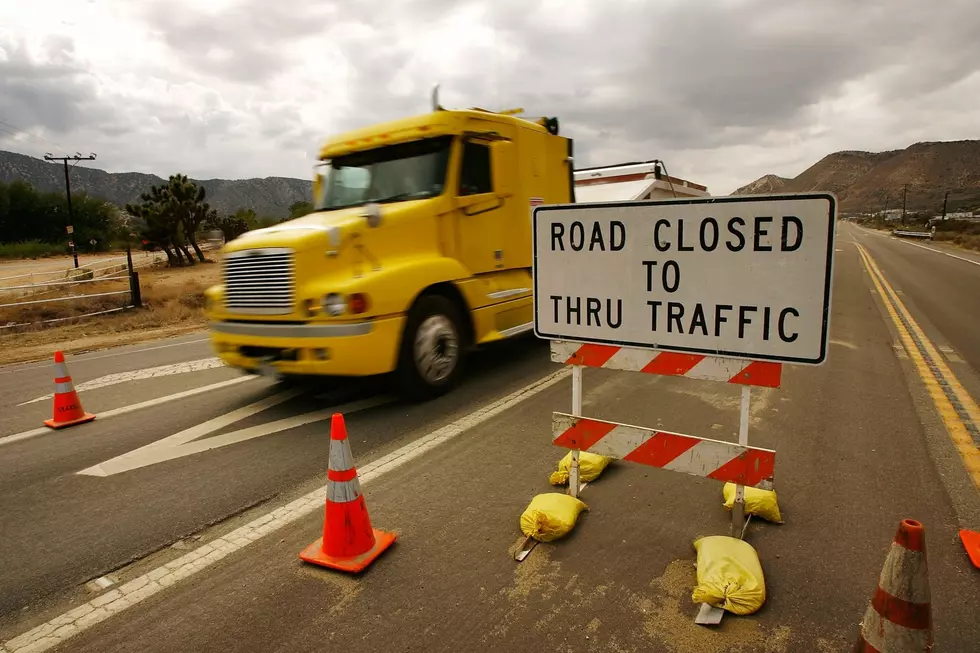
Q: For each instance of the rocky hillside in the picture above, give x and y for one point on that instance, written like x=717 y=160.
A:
x=270 y=196
x=868 y=181
x=763 y=185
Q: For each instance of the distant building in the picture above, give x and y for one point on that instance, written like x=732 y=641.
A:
x=890 y=214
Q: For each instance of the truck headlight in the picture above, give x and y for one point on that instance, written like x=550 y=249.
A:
x=334 y=304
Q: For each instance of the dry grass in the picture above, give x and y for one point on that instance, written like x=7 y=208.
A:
x=957 y=232
x=966 y=241
x=173 y=301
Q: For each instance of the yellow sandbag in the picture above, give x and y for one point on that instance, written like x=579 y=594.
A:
x=729 y=575
x=590 y=465
x=761 y=503
x=550 y=516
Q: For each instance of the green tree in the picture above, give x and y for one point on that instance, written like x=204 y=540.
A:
x=299 y=209
x=233 y=226
x=172 y=214
x=158 y=223
x=268 y=221
x=249 y=216
x=162 y=224
x=27 y=214
x=188 y=206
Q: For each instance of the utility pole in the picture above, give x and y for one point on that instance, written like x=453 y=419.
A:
x=71 y=227
x=905 y=192
x=945 y=198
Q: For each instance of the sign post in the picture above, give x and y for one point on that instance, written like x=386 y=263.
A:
x=724 y=289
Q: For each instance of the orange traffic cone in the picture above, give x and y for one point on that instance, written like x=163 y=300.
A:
x=899 y=619
x=67 y=406
x=971 y=542
x=348 y=543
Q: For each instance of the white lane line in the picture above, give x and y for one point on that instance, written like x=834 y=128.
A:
x=186 y=443
x=939 y=251
x=134 y=407
x=54 y=632
x=139 y=375
x=151 y=455
x=12 y=369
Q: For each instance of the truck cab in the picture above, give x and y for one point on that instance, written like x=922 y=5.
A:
x=419 y=248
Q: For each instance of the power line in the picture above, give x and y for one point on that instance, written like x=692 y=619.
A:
x=7 y=131
x=27 y=133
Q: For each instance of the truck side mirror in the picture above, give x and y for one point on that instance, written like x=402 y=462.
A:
x=503 y=165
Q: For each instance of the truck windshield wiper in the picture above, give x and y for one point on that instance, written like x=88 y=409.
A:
x=339 y=206
x=419 y=194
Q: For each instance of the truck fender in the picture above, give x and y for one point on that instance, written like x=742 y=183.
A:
x=394 y=288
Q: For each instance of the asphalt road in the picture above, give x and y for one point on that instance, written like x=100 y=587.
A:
x=941 y=291
x=859 y=447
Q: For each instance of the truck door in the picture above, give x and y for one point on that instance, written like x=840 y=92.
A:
x=481 y=213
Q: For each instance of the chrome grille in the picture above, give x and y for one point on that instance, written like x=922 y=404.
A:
x=259 y=281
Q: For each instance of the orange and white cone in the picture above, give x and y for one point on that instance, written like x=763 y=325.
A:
x=899 y=619
x=68 y=409
x=971 y=542
x=348 y=543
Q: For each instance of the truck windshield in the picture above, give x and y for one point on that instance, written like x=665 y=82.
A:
x=393 y=173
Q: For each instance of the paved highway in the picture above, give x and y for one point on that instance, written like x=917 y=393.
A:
x=860 y=445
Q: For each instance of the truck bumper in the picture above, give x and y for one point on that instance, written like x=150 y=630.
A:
x=352 y=349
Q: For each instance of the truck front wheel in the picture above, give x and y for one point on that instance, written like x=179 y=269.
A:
x=432 y=351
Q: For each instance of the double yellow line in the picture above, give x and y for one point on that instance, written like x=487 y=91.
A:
x=956 y=407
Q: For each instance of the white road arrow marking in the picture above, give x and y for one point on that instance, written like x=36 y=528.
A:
x=186 y=443
x=138 y=375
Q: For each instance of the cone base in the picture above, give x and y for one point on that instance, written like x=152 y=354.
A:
x=314 y=554
x=87 y=417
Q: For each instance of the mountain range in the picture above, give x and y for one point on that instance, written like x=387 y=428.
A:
x=862 y=181
x=873 y=181
x=270 y=196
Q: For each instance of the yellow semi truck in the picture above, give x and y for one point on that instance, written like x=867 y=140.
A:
x=418 y=250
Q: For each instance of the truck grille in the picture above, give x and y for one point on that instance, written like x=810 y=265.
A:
x=259 y=281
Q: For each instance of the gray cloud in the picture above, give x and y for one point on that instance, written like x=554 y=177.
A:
x=57 y=95
x=243 y=42
x=722 y=91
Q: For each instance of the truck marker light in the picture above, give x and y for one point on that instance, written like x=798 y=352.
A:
x=309 y=307
x=358 y=303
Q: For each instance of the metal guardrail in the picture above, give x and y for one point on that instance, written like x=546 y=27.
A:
x=912 y=234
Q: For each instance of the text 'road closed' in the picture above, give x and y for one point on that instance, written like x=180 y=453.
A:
x=743 y=277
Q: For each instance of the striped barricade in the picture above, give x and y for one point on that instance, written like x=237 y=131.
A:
x=722 y=461
x=667 y=363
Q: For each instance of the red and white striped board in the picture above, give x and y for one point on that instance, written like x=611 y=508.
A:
x=668 y=363
x=722 y=461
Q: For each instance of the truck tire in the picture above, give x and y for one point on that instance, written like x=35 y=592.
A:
x=433 y=348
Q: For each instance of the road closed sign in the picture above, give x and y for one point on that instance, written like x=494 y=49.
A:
x=746 y=277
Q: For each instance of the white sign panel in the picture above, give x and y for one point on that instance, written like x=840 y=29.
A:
x=747 y=277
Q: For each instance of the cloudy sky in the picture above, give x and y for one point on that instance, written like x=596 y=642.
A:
x=723 y=91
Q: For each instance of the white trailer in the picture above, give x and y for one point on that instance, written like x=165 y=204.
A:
x=631 y=181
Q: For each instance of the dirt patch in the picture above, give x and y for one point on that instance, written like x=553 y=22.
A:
x=668 y=617
x=173 y=301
